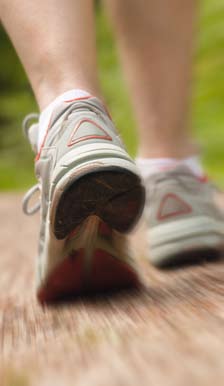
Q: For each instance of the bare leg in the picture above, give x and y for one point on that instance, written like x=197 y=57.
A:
x=155 y=42
x=56 y=43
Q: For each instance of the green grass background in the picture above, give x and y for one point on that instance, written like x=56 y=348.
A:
x=16 y=99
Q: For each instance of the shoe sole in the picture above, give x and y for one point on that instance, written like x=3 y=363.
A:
x=116 y=196
x=89 y=268
x=185 y=241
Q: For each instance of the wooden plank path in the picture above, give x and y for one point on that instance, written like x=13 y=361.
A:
x=172 y=333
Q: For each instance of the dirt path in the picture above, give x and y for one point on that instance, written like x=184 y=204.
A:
x=171 y=334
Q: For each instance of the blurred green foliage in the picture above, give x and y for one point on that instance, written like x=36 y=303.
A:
x=16 y=98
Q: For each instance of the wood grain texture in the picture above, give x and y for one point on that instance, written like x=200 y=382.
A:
x=171 y=333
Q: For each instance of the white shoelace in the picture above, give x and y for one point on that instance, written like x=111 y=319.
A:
x=26 y=200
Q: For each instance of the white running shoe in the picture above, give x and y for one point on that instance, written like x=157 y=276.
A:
x=91 y=195
x=184 y=216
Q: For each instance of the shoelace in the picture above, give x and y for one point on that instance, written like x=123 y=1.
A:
x=26 y=123
x=26 y=199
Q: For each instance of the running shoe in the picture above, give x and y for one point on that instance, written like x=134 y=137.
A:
x=91 y=195
x=184 y=216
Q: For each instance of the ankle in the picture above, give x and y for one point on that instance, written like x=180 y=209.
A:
x=150 y=166
x=179 y=149
x=45 y=94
